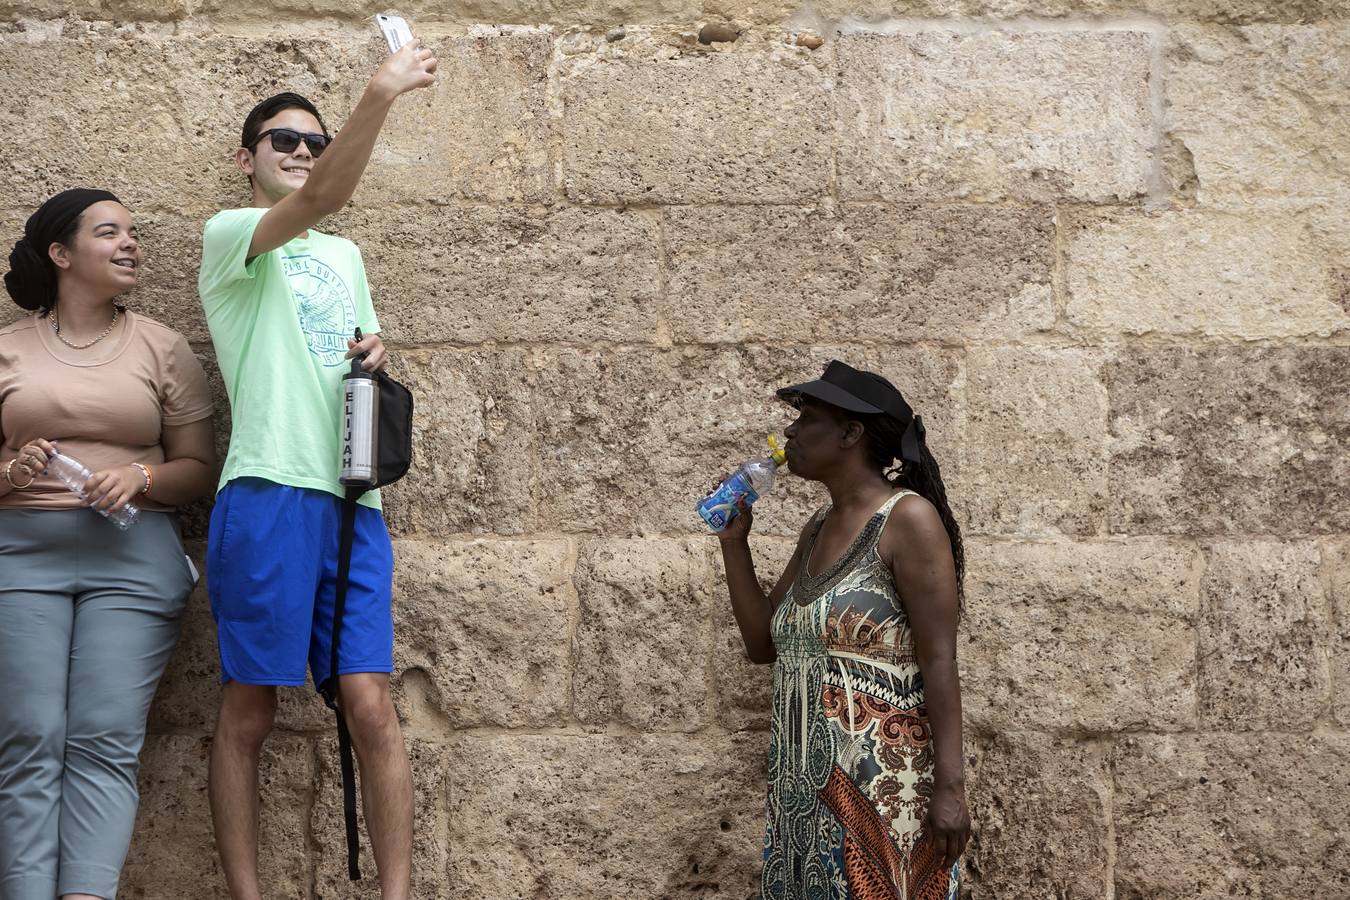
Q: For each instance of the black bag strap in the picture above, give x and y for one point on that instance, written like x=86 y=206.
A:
x=349 y=799
x=395 y=424
x=330 y=690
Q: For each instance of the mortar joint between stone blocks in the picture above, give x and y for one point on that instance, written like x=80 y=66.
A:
x=976 y=25
x=1325 y=580
x=570 y=562
x=555 y=104
x=663 y=331
x=1109 y=804
x=1059 y=281
x=1158 y=192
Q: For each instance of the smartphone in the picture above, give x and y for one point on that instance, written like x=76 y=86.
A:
x=395 y=31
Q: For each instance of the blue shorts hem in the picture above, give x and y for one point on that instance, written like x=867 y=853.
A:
x=264 y=679
x=359 y=669
x=261 y=681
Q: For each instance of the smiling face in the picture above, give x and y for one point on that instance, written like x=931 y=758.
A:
x=104 y=254
x=275 y=174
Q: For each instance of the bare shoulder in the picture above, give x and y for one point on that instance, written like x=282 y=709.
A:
x=914 y=526
x=914 y=512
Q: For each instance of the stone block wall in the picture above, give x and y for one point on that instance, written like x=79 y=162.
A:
x=1102 y=245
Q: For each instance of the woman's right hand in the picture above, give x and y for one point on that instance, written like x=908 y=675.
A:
x=738 y=529
x=32 y=459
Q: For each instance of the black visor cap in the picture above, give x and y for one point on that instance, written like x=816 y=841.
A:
x=843 y=386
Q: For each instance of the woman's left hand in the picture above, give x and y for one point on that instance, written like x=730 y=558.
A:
x=948 y=823
x=110 y=489
x=373 y=347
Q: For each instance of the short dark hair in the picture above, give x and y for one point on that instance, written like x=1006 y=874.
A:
x=269 y=108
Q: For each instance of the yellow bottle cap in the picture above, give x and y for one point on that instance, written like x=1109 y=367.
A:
x=776 y=453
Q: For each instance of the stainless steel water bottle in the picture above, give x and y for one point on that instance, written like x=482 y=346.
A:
x=360 y=425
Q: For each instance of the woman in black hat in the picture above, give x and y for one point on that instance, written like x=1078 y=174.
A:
x=866 y=791
x=88 y=613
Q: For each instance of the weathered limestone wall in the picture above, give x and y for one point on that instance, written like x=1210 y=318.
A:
x=1102 y=243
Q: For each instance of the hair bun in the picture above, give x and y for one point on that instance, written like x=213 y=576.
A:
x=29 y=279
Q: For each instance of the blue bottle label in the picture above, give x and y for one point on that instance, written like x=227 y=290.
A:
x=719 y=507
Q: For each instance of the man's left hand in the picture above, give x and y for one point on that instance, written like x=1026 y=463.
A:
x=373 y=347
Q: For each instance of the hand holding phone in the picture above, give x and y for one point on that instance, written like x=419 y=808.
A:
x=409 y=66
x=396 y=31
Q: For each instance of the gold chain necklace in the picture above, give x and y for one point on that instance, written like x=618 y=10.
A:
x=56 y=327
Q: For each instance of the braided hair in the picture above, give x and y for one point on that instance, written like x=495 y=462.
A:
x=882 y=434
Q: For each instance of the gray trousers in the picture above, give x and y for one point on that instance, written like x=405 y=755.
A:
x=88 y=618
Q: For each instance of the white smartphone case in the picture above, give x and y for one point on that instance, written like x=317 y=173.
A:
x=395 y=31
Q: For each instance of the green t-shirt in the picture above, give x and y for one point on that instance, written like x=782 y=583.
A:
x=280 y=324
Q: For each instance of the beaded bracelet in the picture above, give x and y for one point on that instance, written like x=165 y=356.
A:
x=149 y=478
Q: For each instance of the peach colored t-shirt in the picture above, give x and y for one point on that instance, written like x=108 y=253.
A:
x=106 y=405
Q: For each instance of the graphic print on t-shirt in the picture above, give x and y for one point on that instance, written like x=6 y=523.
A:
x=324 y=305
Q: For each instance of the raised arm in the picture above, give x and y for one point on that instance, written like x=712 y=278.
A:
x=338 y=171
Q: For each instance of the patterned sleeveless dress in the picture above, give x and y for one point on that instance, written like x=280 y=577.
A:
x=850 y=751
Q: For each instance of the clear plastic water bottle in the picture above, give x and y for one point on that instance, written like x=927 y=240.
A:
x=74 y=474
x=749 y=482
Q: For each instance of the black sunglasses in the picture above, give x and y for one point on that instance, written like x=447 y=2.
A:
x=285 y=140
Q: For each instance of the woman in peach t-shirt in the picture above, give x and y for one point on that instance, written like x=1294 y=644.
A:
x=89 y=613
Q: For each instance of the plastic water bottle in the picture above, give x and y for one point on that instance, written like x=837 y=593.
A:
x=74 y=474
x=749 y=482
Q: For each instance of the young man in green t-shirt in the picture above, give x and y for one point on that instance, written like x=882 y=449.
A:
x=282 y=301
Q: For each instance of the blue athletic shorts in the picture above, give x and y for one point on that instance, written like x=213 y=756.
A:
x=271 y=560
